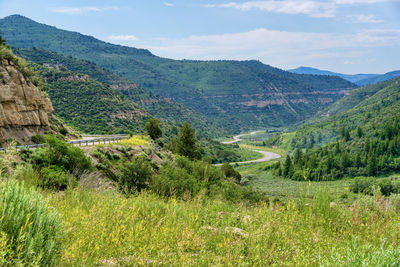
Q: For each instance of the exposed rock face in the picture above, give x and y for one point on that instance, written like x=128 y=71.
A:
x=24 y=109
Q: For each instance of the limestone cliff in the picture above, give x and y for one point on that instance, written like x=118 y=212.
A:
x=24 y=109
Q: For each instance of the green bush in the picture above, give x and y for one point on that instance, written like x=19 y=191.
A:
x=135 y=175
x=38 y=139
x=32 y=232
x=60 y=154
x=54 y=177
x=173 y=181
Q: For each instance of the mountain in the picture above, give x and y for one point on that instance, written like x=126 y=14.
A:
x=370 y=107
x=380 y=78
x=359 y=79
x=153 y=104
x=356 y=78
x=239 y=95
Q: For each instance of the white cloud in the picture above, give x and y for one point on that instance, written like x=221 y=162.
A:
x=317 y=9
x=362 y=2
x=278 y=48
x=122 y=38
x=361 y=18
x=168 y=4
x=81 y=10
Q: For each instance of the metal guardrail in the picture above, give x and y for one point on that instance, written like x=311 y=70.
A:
x=81 y=142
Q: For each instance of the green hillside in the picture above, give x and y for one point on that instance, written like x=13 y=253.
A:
x=241 y=95
x=154 y=104
x=91 y=106
x=369 y=107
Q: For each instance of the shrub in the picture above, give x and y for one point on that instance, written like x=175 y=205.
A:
x=172 y=181
x=38 y=139
x=63 y=131
x=229 y=171
x=54 y=177
x=61 y=154
x=135 y=175
x=33 y=233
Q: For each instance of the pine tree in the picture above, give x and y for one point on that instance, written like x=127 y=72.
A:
x=153 y=128
x=359 y=132
x=287 y=167
x=187 y=143
x=372 y=164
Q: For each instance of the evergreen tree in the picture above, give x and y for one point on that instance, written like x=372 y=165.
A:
x=153 y=128
x=298 y=156
x=287 y=167
x=187 y=144
x=372 y=164
x=2 y=41
x=359 y=132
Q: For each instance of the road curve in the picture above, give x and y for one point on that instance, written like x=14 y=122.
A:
x=267 y=156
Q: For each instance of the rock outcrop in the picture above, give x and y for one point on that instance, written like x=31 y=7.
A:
x=24 y=109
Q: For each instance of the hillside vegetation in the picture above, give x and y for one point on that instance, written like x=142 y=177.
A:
x=240 y=95
x=153 y=104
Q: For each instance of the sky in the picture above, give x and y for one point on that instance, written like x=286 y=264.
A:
x=346 y=36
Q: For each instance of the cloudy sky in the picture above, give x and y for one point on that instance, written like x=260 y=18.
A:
x=348 y=36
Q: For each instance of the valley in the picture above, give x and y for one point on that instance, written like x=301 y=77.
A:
x=111 y=155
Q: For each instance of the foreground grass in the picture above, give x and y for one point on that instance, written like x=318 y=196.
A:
x=105 y=228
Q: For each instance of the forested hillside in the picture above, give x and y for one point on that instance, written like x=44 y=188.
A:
x=369 y=107
x=154 y=104
x=241 y=95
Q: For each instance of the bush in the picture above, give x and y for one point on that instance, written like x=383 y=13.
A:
x=38 y=139
x=135 y=175
x=33 y=232
x=61 y=154
x=54 y=177
x=172 y=181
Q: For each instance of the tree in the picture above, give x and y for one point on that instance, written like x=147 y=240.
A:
x=187 y=143
x=2 y=41
x=359 y=132
x=153 y=128
x=287 y=167
x=372 y=164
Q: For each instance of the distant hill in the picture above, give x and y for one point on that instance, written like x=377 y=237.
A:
x=368 y=107
x=356 y=78
x=380 y=78
x=239 y=95
x=359 y=79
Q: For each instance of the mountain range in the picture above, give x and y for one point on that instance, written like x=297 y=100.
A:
x=236 y=95
x=359 y=79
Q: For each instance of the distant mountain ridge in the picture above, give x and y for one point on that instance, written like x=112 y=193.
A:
x=240 y=95
x=352 y=78
x=359 y=79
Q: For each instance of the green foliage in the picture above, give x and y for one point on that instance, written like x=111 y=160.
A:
x=32 y=232
x=187 y=143
x=38 y=139
x=54 y=177
x=153 y=128
x=134 y=175
x=229 y=171
x=369 y=186
x=61 y=154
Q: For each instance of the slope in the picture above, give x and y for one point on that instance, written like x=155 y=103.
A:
x=90 y=106
x=241 y=95
x=368 y=108
x=154 y=104
x=380 y=78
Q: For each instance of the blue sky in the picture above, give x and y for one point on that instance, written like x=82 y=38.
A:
x=347 y=36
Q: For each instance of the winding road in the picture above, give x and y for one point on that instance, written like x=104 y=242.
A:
x=267 y=156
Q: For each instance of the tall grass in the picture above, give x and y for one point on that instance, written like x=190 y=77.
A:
x=29 y=231
x=106 y=228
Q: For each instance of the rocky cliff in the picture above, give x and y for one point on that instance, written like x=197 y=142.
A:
x=24 y=109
